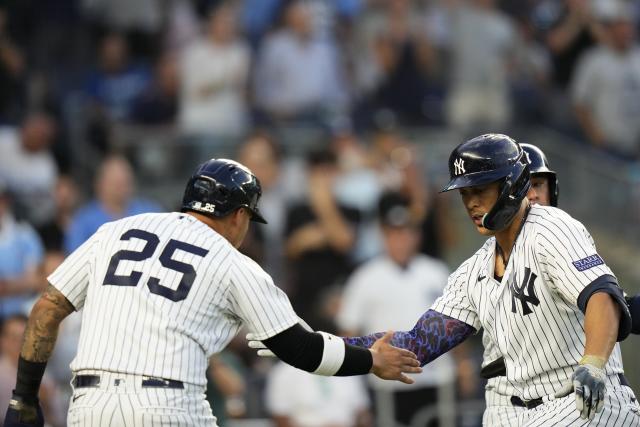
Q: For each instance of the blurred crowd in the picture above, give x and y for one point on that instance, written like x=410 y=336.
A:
x=354 y=224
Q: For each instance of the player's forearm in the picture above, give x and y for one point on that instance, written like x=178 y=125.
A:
x=39 y=339
x=433 y=335
x=601 y=322
x=42 y=327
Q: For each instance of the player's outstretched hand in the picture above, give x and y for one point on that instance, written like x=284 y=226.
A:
x=262 y=349
x=588 y=383
x=23 y=414
x=391 y=363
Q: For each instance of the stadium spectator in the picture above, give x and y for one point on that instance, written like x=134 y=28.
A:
x=530 y=75
x=66 y=197
x=606 y=89
x=118 y=80
x=11 y=336
x=21 y=253
x=13 y=76
x=358 y=186
x=158 y=103
x=400 y=66
x=320 y=237
x=214 y=72
x=27 y=166
x=114 y=189
x=573 y=29
x=482 y=46
x=298 y=77
x=390 y=290
x=141 y=20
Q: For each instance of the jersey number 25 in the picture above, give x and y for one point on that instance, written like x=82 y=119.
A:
x=152 y=241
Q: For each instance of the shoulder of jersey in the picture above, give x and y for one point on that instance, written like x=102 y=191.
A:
x=540 y=214
x=243 y=261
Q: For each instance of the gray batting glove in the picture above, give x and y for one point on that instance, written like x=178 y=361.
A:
x=588 y=383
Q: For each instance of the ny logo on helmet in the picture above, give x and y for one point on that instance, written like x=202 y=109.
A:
x=458 y=164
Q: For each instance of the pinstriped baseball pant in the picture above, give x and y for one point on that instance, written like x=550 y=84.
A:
x=121 y=401
x=620 y=409
x=500 y=412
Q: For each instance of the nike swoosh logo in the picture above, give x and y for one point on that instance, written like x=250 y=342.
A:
x=73 y=399
x=481 y=278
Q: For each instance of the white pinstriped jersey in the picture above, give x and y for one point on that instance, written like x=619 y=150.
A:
x=498 y=384
x=532 y=314
x=163 y=292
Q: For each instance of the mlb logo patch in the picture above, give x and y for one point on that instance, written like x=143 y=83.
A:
x=588 y=262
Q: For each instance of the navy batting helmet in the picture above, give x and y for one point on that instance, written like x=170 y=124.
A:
x=219 y=187
x=492 y=158
x=538 y=165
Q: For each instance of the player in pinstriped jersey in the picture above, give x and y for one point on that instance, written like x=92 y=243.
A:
x=160 y=294
x=500 y=410
x=541 y=291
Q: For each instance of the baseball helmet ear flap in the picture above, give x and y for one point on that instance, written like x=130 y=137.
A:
x=513 y=189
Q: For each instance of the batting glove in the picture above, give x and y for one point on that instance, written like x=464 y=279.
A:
x=588 y=383
x=263 y=351
x=23 y=413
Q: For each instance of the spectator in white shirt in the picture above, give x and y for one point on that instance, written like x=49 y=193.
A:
x=214 y=71
x=606 y=86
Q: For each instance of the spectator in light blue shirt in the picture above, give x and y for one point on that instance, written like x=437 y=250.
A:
x=114 y=189
x=21 y=254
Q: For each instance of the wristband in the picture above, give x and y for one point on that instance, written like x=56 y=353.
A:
x=596 y=361
x=29 y=378
x=332 y=355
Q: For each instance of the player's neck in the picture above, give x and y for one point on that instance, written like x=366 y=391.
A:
x=220 y=226
x=506 y=237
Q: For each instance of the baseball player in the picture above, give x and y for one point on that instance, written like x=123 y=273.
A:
x=500 y=410
x=160 y=294
x=540 y=290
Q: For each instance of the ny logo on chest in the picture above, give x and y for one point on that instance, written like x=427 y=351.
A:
x=525 y=293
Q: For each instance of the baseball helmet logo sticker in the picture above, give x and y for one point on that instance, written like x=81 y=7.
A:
x=459 y=166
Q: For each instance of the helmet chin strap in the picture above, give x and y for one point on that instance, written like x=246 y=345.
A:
x=484 y=218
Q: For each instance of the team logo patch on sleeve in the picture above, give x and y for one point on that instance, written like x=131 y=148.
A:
x=588 y=262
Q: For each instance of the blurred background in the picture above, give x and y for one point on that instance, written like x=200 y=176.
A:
x=347 y=111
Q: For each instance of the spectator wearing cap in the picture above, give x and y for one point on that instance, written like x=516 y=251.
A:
x=606 y=88
x=21 y=254
x=388 y=292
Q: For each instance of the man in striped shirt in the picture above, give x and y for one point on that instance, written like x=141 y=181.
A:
x=545 y=297
x=160 y=294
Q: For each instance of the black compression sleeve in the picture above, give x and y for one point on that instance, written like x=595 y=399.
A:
x=297 y=347
x=303 y=350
